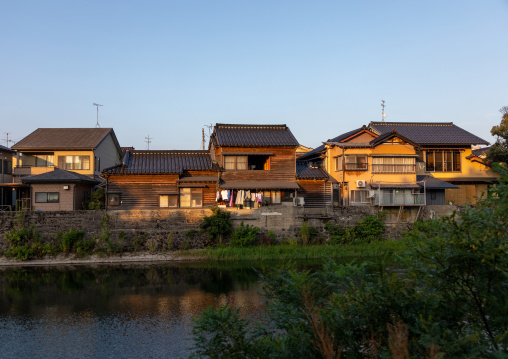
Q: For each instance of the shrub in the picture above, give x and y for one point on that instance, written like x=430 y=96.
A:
x=305 y=233
x=336 y=234
x=152 y=244
x=25 y=243
x=169 y=241
x=269 y=238
x=244 y=236
x=70 y=240
x=97 y=199
x=369 y=229
x=218 y=225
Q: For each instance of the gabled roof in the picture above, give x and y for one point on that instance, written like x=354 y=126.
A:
x=429 y=133
x=389 y=135
x=48 y=139
x=315 y=152
x=305 y=171
x=6 y=149
x=59 y=176
x=252 y=136
x=434 y=183
x=162 y=162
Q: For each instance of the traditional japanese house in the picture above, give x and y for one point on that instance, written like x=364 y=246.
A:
x=255 y=161
x=445 y=152
x=162 y=179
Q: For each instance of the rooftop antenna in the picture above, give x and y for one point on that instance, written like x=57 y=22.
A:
x=97 y=105
x=148 y=140
x=383 y=114
x=7 y=141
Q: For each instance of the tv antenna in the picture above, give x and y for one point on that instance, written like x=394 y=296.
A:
x=383 y=114
x=97 y=105
x=148 y=140
x=7 y=141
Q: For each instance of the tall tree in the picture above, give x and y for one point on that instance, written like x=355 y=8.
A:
x=498 y=152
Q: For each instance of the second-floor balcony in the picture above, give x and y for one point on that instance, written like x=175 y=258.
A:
x=399 y=197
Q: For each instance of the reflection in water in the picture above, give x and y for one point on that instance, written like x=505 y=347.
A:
x=115 y=311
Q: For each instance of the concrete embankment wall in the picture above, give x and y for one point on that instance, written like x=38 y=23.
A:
x=285 y=221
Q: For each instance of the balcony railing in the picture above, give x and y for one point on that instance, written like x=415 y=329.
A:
x=356 y=167
x=401 y=198
x=31 y=170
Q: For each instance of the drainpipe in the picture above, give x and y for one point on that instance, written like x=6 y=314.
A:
x=344 y=173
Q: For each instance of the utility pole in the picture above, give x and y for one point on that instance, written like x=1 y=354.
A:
x=148 y=140
x=97 y=105
x=203 y=136
x=383 y=114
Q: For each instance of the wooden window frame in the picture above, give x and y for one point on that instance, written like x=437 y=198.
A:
x=176 y=196
x=62 y=162
x=190 y=189
x=267 y=163
x=117 y=203
x=455 y=158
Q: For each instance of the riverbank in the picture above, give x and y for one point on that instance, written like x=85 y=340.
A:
x=376 y=249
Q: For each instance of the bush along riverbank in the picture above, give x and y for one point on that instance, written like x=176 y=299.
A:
x=450 y=301
x=222 y=242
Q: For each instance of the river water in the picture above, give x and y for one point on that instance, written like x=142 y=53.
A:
x=117 y=311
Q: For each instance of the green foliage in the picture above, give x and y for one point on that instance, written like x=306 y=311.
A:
x=367 y=230
x=269 y=238
x=222 y=334
x=244 y=236
x=97 y=199
x=152 y=244
x=217 y=225
x=169 y=241
x=26 y=243
x=70 y=239
x=498 y=152
x=450 y=300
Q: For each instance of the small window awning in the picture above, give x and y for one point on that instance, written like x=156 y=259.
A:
x=260 y=185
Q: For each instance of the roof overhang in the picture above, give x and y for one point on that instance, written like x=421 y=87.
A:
x=260 y=185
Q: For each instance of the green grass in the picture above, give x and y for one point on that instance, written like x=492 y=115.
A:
x=375 y=249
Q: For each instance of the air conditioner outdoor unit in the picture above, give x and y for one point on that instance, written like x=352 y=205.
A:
x=361 y=184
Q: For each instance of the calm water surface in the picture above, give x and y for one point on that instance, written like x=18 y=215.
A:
x=134 y=311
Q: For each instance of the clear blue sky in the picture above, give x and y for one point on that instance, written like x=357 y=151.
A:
x=167 y=68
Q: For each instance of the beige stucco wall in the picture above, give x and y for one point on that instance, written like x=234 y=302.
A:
x=468 y=169
x=66 y=200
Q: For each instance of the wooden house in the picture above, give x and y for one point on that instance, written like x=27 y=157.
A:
x=315 y=185
x=162 y=179
x=6 y=177
x=255 y=159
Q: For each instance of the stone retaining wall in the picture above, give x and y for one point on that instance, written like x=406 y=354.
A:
x=285 y=221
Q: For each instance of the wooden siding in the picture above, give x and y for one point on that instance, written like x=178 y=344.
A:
x=317 y=193
x=143 y=191
x=282 y=165
x=439 y=197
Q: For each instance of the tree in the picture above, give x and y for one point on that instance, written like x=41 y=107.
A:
x=498 y=152
x=449 y=298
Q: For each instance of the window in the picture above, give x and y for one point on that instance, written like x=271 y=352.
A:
x=353 y=163
x=168 y=200
x=191 y=197
x=276 y=199
x=243 y=163
x=443 y=161
x=360 y=196
x=47 y=197
x=393 y=165
x=44 y=161
x=74 y=162
x=7 y=167
x=113 y=199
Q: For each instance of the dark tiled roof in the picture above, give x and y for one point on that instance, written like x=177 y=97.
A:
x=253 y=135
x=429 y=133
x=259 y=185
x=6 y=149
x=60 y=176
x=162 y=162
x=199 y=179
x=480 y=152
x=315 y=152
x=396 y=185
x=434 y=183
x=64 y=139
x=304 y=171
